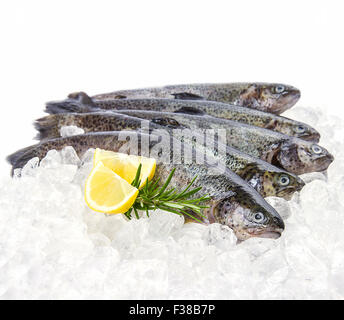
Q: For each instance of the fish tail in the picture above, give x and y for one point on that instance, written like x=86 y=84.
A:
x=78 y=102
x=19 y=158
x=47 y=127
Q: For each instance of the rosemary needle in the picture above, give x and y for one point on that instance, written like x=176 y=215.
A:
x=152 y=197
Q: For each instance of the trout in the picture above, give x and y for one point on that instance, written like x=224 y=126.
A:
x=80 y=102
x=232 y=201
x=269 y=97
x=289 y=153
x=267 y=179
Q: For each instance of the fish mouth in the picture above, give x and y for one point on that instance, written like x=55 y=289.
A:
x=330 y=157
x=270 y=233
x=300 y=186
x=292 y=96
x=287 y=100
x=323 y=162
x=313 y=137
x=288 y=192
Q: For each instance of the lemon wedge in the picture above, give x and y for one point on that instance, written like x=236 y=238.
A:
x=106 y=191
x=126 y=165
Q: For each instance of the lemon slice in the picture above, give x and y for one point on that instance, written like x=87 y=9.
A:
x=126 y=165
x=106 y=191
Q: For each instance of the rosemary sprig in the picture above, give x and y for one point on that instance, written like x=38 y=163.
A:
x=152 y=197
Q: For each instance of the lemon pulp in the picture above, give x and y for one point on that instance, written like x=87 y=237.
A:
x=126 y=165
x=108 y=187
x=106 y=191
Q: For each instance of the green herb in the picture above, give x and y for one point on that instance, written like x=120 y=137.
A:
x=152 y=197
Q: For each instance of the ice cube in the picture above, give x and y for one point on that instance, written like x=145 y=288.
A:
x=221 y=235
x=29 y=170
x=281 y=205
x=53 y=246
x=100 y=240
x=68 y=131
x=82 y=174
x=315 y=190
x=87 y=157
x=17 y=173
x=63 y=173
x=309 y=177
x=51 y=160
x=337 y=267
x=69 y=156
x=304 y=114
x=162 y=223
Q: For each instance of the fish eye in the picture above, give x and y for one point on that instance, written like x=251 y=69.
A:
x=279 y=89
x=258 y=217
x=283 y=180
x=316 y=149
x=300 y=129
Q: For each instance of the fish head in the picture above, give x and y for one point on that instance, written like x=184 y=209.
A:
x=303 y=157
x=247 y=218
x=305 y=132
x=279 y=97
x=281 y=184
x=274 y=98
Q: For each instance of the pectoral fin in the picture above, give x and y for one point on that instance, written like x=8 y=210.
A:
x=120 y=96
x=167 y=122
x=190 y=110
x=186 y=96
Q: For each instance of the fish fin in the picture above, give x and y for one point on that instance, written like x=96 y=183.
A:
x=78 y=102
x=83 y=98
x=120 y=96
x=186 y=96
x=167 y=122
x=190 y=110
x=47 y=127
x=19 y=158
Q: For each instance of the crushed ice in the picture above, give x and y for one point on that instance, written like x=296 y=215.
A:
x=54 y=247
x=67 y=131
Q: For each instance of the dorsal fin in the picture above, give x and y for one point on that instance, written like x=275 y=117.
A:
x=78 y=102
x=83 y=98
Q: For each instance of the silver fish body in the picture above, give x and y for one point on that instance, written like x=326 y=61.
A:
x=233 y=202
x=80 y=102
x=267 y=179
x=269 y=97
x=289 y=153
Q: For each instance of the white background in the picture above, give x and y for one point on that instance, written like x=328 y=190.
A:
x=51 y=48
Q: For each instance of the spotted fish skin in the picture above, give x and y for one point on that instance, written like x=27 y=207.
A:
x=289 y=153
x=80 y=102
x=269 y=97
x=267 y=179
x=233 y=202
